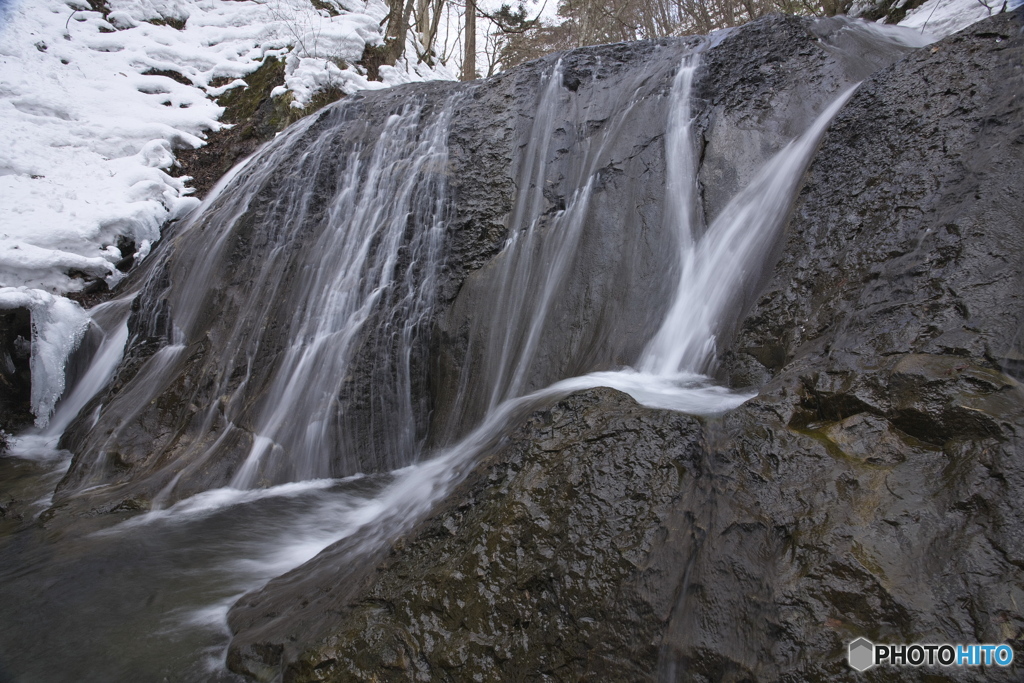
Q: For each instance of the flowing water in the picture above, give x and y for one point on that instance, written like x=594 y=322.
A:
x=128 y=596
x=350 y=237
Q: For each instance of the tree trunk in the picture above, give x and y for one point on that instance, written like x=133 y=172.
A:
x=423 y=21
x=398 y=25
x=469 y=59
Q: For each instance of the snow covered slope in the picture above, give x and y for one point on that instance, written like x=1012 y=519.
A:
x=90 y=135
x=943 y=17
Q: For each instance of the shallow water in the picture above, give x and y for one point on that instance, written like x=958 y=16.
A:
x=145 y=597
x=139 y=597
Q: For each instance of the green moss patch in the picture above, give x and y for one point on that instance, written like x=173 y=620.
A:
x=256 y=117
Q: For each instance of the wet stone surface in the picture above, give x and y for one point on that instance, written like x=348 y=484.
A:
x=871 y=489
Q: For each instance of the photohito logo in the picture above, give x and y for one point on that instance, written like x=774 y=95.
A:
x=864 y=654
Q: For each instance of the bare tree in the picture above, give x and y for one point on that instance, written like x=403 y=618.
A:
x=450 y=31
x=469 y=56
x=429 y=14
x=398 y=20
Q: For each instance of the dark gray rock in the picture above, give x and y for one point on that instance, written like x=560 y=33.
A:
x=871 y=489
x=822 y=531
x=550 y=560
x=15 y=372
x=907 y=237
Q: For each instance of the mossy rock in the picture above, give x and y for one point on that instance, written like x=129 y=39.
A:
x=256 y=117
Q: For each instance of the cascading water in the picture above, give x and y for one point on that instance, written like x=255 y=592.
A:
x=719 y=267
x=350 y=242
x=536 y=262
x=369 y=219
x=285 y=283
x=513 y=313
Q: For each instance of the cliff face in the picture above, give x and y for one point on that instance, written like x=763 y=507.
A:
x=224 y=318
x=870 y=489
x=364 y=292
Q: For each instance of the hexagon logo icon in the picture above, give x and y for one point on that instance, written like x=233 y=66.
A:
x=862 y=654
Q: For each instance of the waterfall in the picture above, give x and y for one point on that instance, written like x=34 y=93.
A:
x=323 y=254
x=524 y=333
x=284 y=327
x=356 y=271
x=538 y=257
x=719 y=268
x=323 y=258
x=514 y=318
x=716 y=267
x=321 y=264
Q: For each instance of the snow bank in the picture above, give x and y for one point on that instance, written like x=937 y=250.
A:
x=57 y=326
x=94 y=108
x=941 y=18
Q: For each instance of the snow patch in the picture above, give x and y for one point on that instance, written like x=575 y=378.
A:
x=941 y=18
x=95 y=107
x=57 y=327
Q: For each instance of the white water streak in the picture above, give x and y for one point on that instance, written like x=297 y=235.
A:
x=357 y=266
x=719 y=267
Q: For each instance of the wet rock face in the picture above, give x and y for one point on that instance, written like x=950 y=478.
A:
x=551 y=557
x=614 y=541
x=872 y=488
x=907 y=237
x=886 y=443
x=757 y=89
x=821 y=532
x=190 y=431
x=15 y=371
x=763 y=85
